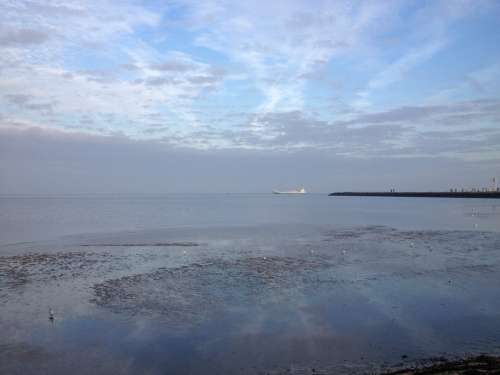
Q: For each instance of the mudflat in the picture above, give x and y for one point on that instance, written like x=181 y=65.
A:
x=325 y=300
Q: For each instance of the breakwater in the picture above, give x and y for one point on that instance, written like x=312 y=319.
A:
x=430 y=194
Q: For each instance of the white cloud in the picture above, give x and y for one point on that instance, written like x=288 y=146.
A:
x=282 y=42
x=106 y=67
x=48 y=62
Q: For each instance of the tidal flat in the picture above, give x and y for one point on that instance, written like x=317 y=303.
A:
x=279 y=299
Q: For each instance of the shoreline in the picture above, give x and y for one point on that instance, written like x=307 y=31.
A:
x=481 y=364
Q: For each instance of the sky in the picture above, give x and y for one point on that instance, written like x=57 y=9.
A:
x=247 y=96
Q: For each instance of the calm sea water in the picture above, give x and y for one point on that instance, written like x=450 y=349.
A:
x=245 y=283
x=43 y=218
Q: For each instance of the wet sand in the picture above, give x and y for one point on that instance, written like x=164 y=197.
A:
x=324 y=300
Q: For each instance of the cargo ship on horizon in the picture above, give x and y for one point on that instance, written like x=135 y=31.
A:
x=294 y=191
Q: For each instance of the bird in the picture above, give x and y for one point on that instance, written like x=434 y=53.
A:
x=51 y=315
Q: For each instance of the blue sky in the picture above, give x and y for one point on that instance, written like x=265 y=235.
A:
x=354 y=79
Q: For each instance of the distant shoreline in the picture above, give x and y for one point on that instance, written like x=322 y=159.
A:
x=435 y=194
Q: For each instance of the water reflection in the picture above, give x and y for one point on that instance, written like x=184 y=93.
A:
x=269 y=300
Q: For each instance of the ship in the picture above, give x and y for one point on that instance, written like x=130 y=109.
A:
x=294 y=191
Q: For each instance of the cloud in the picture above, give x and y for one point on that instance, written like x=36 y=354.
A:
x=95 y=75
x=173 y=66
x=96 y=61
x=22 y=37
x=29 y=102
x=394 y=133
x=31 y=162
x=19 y=99
x=426 y=35
x=397 y=70
x=282 y=43
x=453 y=114
x=227 y=75
x=479 y=83
x=211 y=77
x=481 y=143
x=182 y=69
x=294 y=129
x=160 y=81
x=463 y=128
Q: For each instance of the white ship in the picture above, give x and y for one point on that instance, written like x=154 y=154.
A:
x=295 y=191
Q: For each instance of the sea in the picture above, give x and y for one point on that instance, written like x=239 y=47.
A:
x=245 y=283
